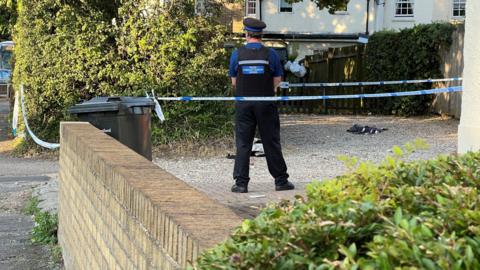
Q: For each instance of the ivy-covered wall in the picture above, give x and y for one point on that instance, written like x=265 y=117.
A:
x=413 y=53
x=67 y=51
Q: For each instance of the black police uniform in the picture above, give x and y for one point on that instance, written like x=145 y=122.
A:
x=255 y=78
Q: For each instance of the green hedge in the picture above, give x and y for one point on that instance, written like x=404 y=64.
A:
x=8 y=16
x=398 y=215
x=67 y=51
x=412 y=53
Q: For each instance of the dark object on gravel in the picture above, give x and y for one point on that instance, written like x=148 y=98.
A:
x=358 y=129
x=257 y=150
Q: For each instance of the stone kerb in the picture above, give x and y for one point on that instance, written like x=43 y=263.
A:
x=119 y=210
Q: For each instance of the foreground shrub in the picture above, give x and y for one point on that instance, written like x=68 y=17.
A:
x=402 y=215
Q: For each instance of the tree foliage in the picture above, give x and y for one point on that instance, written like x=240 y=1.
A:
x=8 y=15
x=69 y=50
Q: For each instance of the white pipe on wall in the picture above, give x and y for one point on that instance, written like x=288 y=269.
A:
x=379 y=14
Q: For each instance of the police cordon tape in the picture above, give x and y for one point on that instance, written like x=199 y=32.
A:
x=15 y=115
x=159 y=112
x=34 y=137
x=339 y=84
x=158 y=109
x=286 y=98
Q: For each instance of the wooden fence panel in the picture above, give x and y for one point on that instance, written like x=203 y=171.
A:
x=334 y=65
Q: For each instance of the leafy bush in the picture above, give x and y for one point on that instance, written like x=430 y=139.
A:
x=8 y=16
x=177 y=53
x=398 y=215
x=68 y=51
x=412 y=53
x=46 y=224
x=46 y=228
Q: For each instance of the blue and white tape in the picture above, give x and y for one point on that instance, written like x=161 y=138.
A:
x=339 y=84
x=34 y=137
x=158 y=108
x=280 y=98
x=15 y=115
x=286 y=98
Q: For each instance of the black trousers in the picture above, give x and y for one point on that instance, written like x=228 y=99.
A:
x=249 y=114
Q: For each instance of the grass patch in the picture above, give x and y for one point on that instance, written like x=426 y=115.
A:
x=31 y=207
x=204 y=148
x=22 y=147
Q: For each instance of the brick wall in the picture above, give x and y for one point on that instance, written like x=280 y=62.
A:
x=119 y=211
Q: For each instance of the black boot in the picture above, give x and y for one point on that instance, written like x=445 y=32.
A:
x=239 y=189
x=285 y=186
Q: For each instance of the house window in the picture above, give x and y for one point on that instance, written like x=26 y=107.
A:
x=459 y=8
x=285 y=6
x=251 y=7
x=404 y=8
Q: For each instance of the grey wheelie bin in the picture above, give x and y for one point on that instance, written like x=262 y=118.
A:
x=127 y=119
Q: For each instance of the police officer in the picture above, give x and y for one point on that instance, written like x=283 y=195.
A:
x=256 y=71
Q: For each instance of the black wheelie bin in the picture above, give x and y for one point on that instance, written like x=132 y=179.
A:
x=127 y=119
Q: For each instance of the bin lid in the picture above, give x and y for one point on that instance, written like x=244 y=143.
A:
x=128 y=102
x=110 y=104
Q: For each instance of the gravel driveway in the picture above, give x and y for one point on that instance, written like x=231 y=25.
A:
x=311 y=145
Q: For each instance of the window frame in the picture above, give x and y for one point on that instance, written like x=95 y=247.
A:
x=280 y=7
x=400 y=2
x=247 y=7
x=459 y=2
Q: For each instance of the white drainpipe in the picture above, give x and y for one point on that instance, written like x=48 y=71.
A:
x=379 y=14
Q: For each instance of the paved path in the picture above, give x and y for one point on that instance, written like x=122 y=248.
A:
x=17 y=178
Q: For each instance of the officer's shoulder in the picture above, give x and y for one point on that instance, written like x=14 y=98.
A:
x=272 y=49
x=273 y=52
x=234 y=53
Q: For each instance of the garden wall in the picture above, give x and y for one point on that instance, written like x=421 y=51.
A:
x=119 y=211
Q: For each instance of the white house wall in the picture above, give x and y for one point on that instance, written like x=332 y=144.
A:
x=425 y=11
x=444 y=11
x=422 y=13
x=307 y=18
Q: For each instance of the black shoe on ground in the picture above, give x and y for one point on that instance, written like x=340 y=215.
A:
x=286 y=186
x=239 y=189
